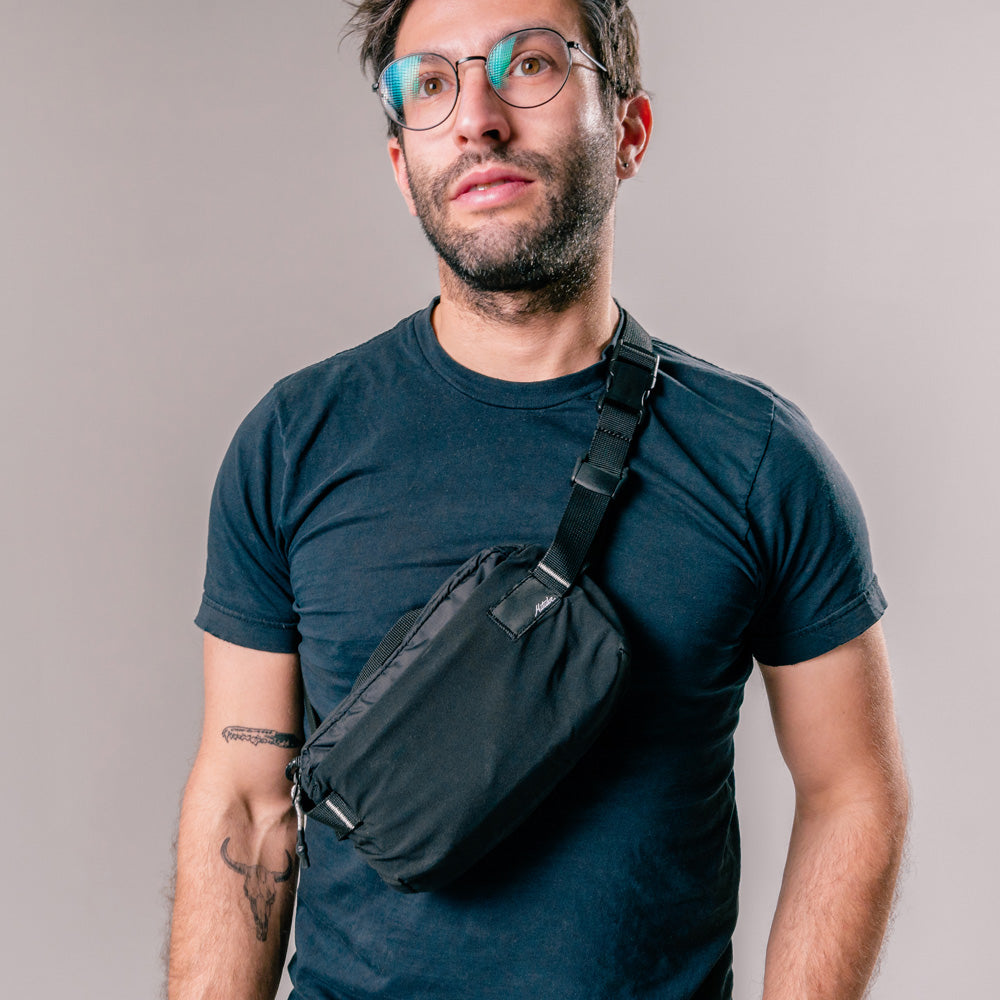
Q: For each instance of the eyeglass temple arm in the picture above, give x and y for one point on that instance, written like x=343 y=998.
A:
x=577 y=47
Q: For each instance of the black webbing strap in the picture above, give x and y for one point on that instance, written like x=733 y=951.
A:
x=600 y=473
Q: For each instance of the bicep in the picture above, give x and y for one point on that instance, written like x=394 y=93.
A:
x=253 y=717
x=835 y=723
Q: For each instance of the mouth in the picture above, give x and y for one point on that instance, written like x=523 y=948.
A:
x=482 y=181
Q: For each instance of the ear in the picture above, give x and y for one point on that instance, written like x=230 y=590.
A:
x=398 y=158
x=635 y=123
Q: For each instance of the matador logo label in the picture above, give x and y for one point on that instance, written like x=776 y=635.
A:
x=542 y=605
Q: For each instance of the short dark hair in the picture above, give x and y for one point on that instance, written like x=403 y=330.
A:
x=610 y=25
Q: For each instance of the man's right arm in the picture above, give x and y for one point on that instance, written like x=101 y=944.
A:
x=236 y=867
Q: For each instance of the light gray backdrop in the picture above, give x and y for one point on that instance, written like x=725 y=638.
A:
x=195 y=200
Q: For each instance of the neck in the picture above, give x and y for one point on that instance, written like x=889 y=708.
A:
x=525 y=336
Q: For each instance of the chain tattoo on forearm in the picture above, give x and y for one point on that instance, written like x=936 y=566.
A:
x=288 y=741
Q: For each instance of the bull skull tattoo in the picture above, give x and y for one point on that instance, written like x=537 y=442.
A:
x=258 y=887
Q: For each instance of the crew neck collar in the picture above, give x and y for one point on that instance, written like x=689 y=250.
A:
x=513 y=395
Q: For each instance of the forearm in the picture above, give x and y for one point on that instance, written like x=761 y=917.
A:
x=234 y=894
x=835 y=901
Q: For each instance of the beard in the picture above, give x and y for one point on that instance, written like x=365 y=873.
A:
x=545 y=263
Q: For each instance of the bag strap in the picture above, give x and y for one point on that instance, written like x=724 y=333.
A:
x=600 y=473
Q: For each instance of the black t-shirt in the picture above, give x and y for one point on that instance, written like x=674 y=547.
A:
x=358 y=484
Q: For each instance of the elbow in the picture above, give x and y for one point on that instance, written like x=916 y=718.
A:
x=896 y=807
x=874 y=807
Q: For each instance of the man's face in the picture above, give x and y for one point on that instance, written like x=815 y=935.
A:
x=511 y=198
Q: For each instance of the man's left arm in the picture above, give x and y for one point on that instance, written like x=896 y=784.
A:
x=836 y=728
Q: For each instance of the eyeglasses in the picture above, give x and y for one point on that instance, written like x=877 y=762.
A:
x=526 y=69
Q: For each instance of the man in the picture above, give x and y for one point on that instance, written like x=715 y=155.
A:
x=357 y=485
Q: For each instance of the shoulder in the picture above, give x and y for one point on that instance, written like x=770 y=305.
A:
x=377 y=363
x=741 y=400
x=715 y=424
x=735 y=431
x=701 y=385
x=734 y=405
x=343 y=386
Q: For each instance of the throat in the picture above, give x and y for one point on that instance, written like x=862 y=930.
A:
x=515 y=338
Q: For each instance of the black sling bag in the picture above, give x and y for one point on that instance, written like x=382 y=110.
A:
x=474 y=706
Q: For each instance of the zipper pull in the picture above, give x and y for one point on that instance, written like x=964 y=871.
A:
x=292 y=771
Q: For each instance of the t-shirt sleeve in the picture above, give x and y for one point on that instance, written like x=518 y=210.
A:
x=247 y=598
x=817 y=586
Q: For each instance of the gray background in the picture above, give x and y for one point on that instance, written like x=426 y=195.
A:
x=195 y=200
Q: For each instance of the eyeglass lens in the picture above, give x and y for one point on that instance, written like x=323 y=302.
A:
x=525 y=69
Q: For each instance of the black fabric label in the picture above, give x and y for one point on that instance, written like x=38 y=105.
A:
x=525 y=605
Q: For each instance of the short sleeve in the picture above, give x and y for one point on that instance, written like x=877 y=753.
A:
x=817 y=586
x=248 y=598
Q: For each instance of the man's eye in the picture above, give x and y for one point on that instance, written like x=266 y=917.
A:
x=529 y=66
x=432 y=86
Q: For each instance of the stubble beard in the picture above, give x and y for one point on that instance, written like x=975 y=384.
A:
x=524 y=269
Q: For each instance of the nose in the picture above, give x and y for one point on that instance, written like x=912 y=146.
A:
x=481 y=118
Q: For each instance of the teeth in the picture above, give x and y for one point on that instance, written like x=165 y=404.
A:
x=486 y=187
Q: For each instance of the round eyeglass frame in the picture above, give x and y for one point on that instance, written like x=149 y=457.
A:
x=571 y=49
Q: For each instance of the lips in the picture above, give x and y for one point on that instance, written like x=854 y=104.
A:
x=484 y=180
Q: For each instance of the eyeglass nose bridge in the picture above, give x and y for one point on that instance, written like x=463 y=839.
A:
x=458 y=80
x=458 y=76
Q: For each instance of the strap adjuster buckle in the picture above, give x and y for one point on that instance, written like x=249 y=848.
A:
x=629 y=383
x=597 y=480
